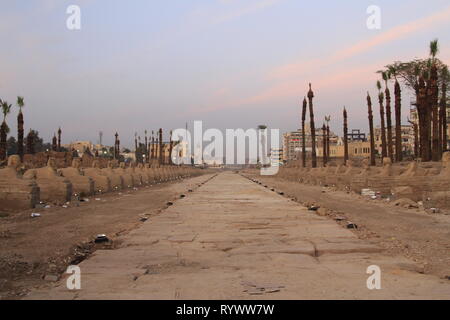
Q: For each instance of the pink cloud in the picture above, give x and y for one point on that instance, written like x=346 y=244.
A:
x=363 y=46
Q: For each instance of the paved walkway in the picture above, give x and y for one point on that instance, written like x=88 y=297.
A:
x=233 y=239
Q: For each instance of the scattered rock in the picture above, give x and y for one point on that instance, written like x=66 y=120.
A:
x=406 y=203
x=322 y=212
x=51 y=277
x=100 y=238
x=351 y=225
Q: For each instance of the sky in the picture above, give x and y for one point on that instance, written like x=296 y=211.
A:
x=142 y=64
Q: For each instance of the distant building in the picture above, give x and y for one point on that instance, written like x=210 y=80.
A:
x=356 y=135
x=293 y=142
x=276 y=156
x=356 y=149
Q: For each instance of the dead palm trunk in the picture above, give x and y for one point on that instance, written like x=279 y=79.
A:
x=324 y=144
x=313 y=128
x=434 y=96
x=20 y=135
x=170 y=148
x=372 y=137
x=443 y=113
x=3 y=134
x=59 y=139
x=383 y=125
x=303 y=133
x=30 y=143
x=433 y=101
x=390 y=147
x=54 y=143
x=398 y=121
x=161 y=160
x=424 y=121
x=328 y=142
x=345 y=137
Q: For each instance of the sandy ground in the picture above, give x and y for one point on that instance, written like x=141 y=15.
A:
x=234 y=239
x=415 y=233
x=33 y=248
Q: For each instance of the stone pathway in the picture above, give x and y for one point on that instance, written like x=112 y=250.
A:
x=234 y=239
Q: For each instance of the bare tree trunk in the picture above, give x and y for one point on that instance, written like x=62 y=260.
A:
x=328 y=143
x=3 y=130
x=170 y=148
x=59 y=139
x=20 y=135
x=398 y=122
x=372 y=136
x=161 y=160
x=423 y=121
x=30 y=143
x=54 y=143
x=390 y=146
x=434 y=96
x=303 y=133
x=345 y=137
x=324 y=144
x=313 y=128
x=443 y=117
x=383 y=128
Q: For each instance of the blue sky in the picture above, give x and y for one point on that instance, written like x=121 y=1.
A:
x=140 y=64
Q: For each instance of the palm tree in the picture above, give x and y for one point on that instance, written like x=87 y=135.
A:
x=383 y=127
x=305 y=105
x=161 y=159
x=443 y=111
x=327 y=119
x=345 y=137
x=398 y=116
x=433 y=98
x=30 y=142
x=20 y=130
x=324 y=144
x=390 y=148
x=4 y=129
x=372 y=137
x=424 y=131
x=313 y=128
